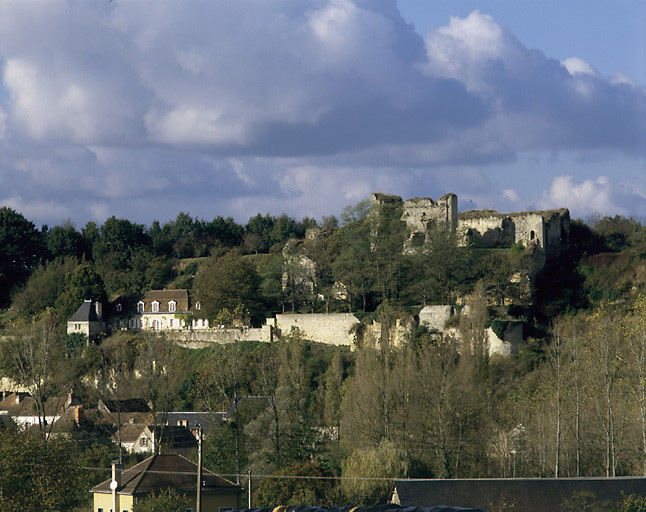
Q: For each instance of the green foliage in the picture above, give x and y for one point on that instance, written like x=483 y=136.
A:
x=34 y=479
x=74 y=343
x=367 y=474
x=21 y=249
x=632 y=503
x=44 y=286
x=83 y=283
x=230 y=282
x=166 y=500
x=312 y=486
x=64 y=240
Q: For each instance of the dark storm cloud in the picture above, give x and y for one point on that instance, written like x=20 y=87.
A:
x=230 y=107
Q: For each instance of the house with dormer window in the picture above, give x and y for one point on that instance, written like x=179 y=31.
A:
x=156 y=310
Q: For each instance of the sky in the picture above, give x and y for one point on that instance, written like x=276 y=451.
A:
x=143 y=109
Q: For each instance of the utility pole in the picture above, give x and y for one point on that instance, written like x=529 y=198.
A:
x=198 y=501
x=250 y=501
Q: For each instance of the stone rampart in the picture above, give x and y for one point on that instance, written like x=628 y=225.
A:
x=398 y=334
x=333 y=328
x=436 y=317
x=205 y=337
x=422 y=216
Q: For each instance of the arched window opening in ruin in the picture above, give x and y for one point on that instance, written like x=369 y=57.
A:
x=532 y=235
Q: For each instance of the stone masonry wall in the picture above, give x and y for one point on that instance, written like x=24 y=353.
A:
x=333 y=328
x=204 y=338
x=422 y=215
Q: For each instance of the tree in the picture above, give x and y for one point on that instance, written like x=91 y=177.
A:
x=473 y=326
x=230 y=282
x=44 y=286
x=367 y=474
x=21 y=249
x=281 y=434
x=64 y=240
x=158 y=365
x=34 y=480
x=34 y=355
x=83 y=283
x=352 y=264
x=221 y=383
x=116 y=376
x=303 y=483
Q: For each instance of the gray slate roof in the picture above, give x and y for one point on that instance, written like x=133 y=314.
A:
x=167 y=471
x=85 y=313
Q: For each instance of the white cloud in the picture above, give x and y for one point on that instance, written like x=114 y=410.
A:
x=308 y=104
x=585 y=198
x=576 y=66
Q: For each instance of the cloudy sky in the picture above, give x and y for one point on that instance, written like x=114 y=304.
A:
x=145 y=108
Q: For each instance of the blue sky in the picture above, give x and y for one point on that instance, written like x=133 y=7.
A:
x=145 y=108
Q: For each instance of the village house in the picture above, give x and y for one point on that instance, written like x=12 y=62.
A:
x=21 y=407
x=156 y=310
x=160 y=472
x=137 y=438
x=87 y=320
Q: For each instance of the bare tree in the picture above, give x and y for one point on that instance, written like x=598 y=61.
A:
x=35 y=355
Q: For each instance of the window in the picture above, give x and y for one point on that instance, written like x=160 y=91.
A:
x=155 y=306
x=188 y=510
x=143 y=441
x=118 y=307
x=140 y=307
x=77 y=327
x=172 y=306
x=198 y=305
x=100 y=509
x=155 y=325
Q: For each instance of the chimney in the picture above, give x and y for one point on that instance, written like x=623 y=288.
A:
x=78 y=414
x=70 y=398
x=98 y=307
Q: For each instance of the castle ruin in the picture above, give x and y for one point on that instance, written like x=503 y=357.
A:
x=548 y=231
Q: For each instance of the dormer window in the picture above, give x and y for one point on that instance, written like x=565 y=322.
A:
x=198 y=305
x=140 y=307
x=118 y=308
x=172 y=306
x=155 y=306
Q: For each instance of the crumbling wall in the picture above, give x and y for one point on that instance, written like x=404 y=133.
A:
x=485 y=228
x=333 y=328
x=397 y=335
x=557 y=231
x=422 y=216
x=435 y=318
x=206 y=337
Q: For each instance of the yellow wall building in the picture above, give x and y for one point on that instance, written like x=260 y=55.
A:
x=161 y=472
